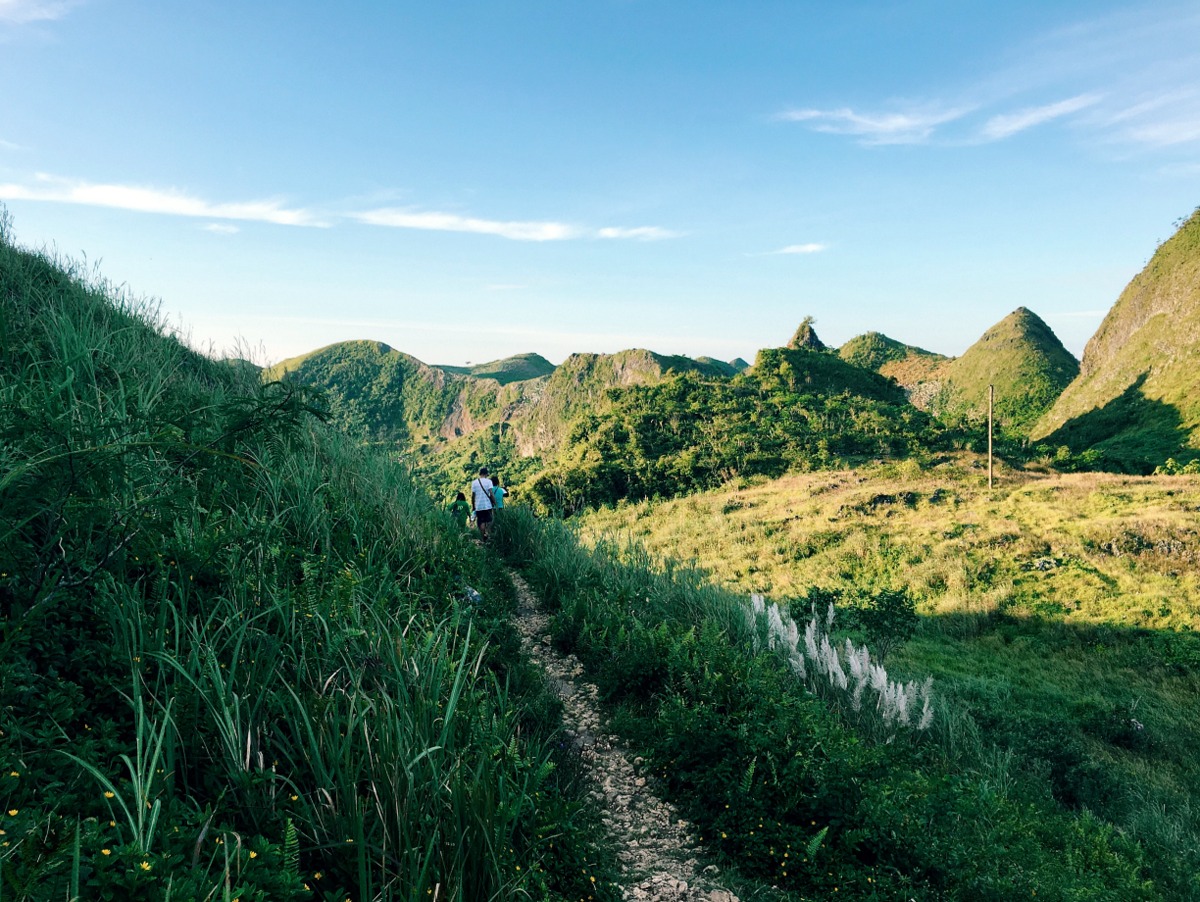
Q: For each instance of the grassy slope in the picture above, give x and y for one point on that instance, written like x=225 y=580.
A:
x=1060 y=612
x=1143 y=360
x=916 y=370
x=1023 y=359
x=267 y=622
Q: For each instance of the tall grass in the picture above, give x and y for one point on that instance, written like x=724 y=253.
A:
x=315 y=712
x=763 y=766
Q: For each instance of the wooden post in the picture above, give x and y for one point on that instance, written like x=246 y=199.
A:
x=991 y=399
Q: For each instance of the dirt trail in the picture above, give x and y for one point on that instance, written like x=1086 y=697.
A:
x=659 y=859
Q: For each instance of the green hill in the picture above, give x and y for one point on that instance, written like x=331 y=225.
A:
x=1136 y=400
x=517 y=368
x=1022 y=358
x=582 y=383
x=388 y=396
x=914 y=369
x=688 y=432
x=821 y=373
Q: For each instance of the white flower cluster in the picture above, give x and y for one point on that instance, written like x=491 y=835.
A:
x=817 y=659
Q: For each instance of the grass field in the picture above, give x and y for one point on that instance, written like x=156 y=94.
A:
x=1059 y=613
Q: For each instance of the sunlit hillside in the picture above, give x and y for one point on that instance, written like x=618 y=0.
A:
x=1059 y=612
x=1088 y=547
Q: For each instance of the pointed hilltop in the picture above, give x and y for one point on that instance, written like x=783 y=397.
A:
x=1025 y=361
x=1137 y=397
x=805 y=337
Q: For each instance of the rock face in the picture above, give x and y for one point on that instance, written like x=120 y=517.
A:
x=805 y=338
x=1137 y=396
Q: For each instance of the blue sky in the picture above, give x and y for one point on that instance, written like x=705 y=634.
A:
x=467 y=181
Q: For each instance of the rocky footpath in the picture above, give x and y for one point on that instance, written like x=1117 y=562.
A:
x=660 y=861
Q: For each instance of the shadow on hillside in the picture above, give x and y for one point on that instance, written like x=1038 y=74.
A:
x=1132 y=433
x=988 y=659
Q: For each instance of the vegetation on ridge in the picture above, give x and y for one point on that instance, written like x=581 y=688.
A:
x=242 y=656
x=1136 y=401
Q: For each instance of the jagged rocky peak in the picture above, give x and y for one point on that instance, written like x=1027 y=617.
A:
x=805 y=338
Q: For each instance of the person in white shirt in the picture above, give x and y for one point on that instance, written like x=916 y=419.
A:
x=483 y=502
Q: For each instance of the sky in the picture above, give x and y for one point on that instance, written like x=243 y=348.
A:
x=473 y=180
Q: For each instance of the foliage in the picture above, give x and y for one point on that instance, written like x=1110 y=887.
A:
x=795 y=410
x=781 y=785
x=1172 y=467
x=240 y=655
x=1054 y=612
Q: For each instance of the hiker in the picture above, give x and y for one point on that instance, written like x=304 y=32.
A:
x=498 y=493
x=460 y=510
x=481 y=497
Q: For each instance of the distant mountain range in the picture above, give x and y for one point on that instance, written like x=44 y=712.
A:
x=1134 y=402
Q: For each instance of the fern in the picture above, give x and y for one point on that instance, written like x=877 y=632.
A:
x=814 y=844
x=291 y=850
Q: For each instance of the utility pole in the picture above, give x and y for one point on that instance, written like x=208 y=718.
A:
x=991 y=399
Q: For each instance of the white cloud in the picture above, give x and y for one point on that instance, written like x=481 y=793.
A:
x=514 y=230
x=22 y=11
x=154 y=200
x=910 y=127
x=813 y=247
x=1008 y=124
x=221 y=228
x=452 y=222
x=641 y=233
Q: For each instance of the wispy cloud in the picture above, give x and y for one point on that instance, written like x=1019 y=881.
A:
x=639 y=233
x=451 y=222
x=813 y=247
x=514 y=230
x=171 y=202
x=1008 y=124
x=8 y=145
x=21 y=11
x=154 y=200
x=1128 y=77
x=902 y=127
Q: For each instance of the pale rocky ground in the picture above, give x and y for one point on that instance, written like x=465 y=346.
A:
x=660 y=861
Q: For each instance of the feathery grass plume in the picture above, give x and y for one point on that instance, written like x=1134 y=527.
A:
x=822 y=664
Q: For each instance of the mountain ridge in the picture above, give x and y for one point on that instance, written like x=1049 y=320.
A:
x=1136 y=400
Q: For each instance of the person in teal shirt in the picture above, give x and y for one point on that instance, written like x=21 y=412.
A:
x=498 y=492
x=460 y=510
